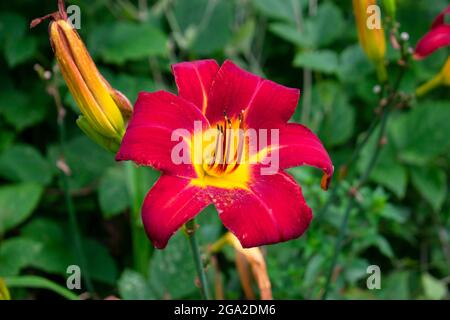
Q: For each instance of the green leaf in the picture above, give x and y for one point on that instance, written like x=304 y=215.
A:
x=19 y=111
x=431 y=182
x=337 y=117
x=292 y=34
x=433 y=288
x=18 y=51
x=23 y=163
x=395 y=286
x=242 y=39
x=356 y=270
x=316 y=31
x=12 y=27
x=211 y=227
x=124 y=41
x=205 y=25
x=112 y=193
x=313 y=268
x=383 y=245
x=326 y=26
x=55 y=255
x=388 y=170
x=279 y=9
x=395 y=213
x=16 y=254
x=17 y=202
x=102 y=266
x=18 y=45
x=377 y=241
x=353 y=64
x=58 y=251
x=165 y=278
x=41 y=283
x=133 y=286
x=86 y=160
x=422 y=134
x=325 y=61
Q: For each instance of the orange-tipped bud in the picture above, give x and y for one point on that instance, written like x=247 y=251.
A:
x=105 y=110
x=371 y=33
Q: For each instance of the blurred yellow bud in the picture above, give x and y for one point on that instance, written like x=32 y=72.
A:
x=4 y=293
x=105 y=110
x=441 y=79
x=371 y=33
x=390 y=7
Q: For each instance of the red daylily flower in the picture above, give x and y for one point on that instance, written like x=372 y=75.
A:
x=259 y=209
x=437 y=37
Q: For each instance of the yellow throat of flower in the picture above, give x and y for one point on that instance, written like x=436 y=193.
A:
x=221 y=156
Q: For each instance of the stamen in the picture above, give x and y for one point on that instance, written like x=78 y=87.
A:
x=216 y=150
x=228 y=146
x=220 y=160
x=224 y=142
x=241 y=141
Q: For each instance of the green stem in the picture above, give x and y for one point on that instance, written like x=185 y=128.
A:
x=190 y=228
x=41 y=283
x=352 y=202
x=353 y=158
x=140 y=243
x=79 y=251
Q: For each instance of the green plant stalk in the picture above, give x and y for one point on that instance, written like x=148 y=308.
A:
x=353 y=158
x=79 y=251
x=140 y=242
x=366 y=173
x=352 y=202
x=190 y=229
x=41 y=283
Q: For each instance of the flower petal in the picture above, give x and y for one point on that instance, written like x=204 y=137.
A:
x=266 y=103
x=436 y=38
x=194 y=80
x=271 y=210
x=298 y=146
x=148 y=139
x=272 y=106
x=168 y=205
x=440 y=18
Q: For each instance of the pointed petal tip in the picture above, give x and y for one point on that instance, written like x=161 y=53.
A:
x=325 y=182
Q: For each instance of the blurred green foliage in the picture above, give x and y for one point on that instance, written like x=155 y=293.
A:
x=402 y=222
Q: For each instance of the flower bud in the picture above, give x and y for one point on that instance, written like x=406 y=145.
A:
x=4 y=293
x=110 y=144
x=442 y=78
x=390 y=7
x=105 y=110
x=371 y=38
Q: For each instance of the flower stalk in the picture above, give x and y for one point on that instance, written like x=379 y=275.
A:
x=190 y=229
x=141 y=246
x=390 y=102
